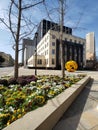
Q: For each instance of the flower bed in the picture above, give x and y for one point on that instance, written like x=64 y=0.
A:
x=18 y=99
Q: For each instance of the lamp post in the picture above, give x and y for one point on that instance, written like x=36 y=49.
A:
x=36 y=35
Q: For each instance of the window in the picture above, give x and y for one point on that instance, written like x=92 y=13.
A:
x=53 y=36
x=75 y=41
x=46 y=61
x=53 y=51
x=53 y=61
x=70 y=40
x=46 y=52
x=39 y=61
x=53 y=43
x=65 y=39
x=66 y=31
x=79 y=41
x=47 y=37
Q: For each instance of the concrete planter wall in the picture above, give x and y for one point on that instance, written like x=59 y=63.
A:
x=45 y=118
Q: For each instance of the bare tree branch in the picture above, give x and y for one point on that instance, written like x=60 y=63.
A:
x=2 y=20
x=25 y=34
x=13 y=1
x=10 y=22
x=29 y=6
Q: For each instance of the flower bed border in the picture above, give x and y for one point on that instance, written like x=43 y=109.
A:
x=45 y=118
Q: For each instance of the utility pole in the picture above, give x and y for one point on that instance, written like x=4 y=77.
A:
x=61 y=36
x=36 y=35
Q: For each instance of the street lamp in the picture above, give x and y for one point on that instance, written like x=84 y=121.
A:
x=36 y=35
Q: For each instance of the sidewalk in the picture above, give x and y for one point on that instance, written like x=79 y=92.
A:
x=83 y=113
x=26 y=71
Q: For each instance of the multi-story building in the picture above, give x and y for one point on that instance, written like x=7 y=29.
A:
x=46 y=25
x=43 y=28
x=48 y=50
x=90 y=51
x=90 y=46
x=28 y=49
x=48 y=47
x=7 y=60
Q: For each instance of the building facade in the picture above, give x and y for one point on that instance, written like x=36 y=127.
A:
x=28 y=49
x=90 y=51
x=49 y=48
x=28 y=45
x=46 y=25
x=90 y=46
x=8 y=60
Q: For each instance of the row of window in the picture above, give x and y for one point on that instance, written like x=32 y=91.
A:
x=43 y=49
x=46 y=52
x=46 y=45
x=42 y=46
x=75 y=41
x=71 y=40
x=39 y=61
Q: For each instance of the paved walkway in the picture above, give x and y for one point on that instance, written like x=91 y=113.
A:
x=83 y=113
x=5 y=71
x=25 y=71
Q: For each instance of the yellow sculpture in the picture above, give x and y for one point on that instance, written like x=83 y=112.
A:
x=71 y=66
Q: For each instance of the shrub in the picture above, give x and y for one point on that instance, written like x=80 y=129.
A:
x=12 y=81
x=22 y=81
x=4 y=82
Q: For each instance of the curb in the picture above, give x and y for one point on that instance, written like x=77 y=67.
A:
x=46 y=117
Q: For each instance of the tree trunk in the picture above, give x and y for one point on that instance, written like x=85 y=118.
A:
x=17 y=39
x=61 y=37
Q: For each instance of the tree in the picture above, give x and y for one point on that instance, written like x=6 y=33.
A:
x=1 y=59
x=60 y=8
x=19 y=24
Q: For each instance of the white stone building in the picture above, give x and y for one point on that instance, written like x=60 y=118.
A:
x=48 y=50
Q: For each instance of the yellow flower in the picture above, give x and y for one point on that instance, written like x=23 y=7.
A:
x=8 y=123
x=15 y=111
x=39 y=99
x=4 y=115
x=9 y=100
x=51 y=92
x=19 y=116
x=23 y=110
x=13 y=118
x=18 y=110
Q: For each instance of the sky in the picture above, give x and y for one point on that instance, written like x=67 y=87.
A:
x=81 y=16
